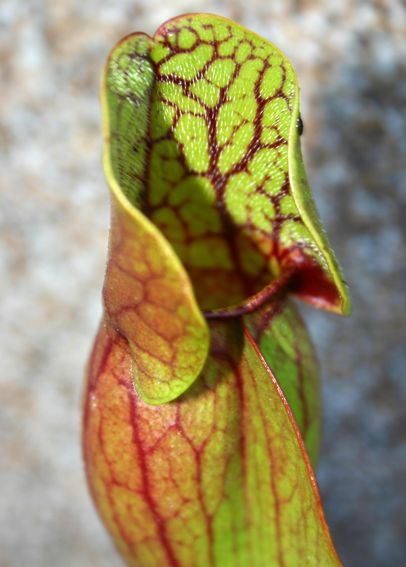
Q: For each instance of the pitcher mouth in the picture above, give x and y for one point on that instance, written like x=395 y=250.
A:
x=269 y=293
x=303 y=278
x=205 y=143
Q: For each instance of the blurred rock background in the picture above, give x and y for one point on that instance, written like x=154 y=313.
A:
x=351 y=61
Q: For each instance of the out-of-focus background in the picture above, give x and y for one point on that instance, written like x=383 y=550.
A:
x=351 y=60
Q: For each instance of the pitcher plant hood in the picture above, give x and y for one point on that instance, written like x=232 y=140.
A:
x=212 y=213
x=202 y=409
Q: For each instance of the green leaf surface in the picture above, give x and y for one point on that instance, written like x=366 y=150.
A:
x=217 y=478
x=284 y=342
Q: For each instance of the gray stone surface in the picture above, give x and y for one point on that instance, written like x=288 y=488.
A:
x=351 y=60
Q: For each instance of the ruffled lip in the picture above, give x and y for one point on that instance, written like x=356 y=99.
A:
x=245 y=255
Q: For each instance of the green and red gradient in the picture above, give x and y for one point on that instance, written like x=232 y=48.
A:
x=202 y=407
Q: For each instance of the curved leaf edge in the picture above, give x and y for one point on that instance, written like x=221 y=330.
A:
x=299 y=438
x=139 y=218
x=306 y=205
